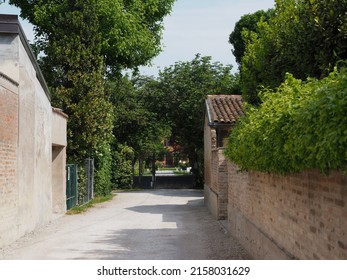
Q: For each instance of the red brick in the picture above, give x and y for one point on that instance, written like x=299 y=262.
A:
x=304 y=214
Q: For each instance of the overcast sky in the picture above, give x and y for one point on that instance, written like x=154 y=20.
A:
x=194 y=26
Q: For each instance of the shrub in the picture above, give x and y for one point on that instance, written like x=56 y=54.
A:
x=300 y=125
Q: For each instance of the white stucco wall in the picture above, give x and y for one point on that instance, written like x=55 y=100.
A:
x=9 y=55
x=34 y=148
x=59 y=143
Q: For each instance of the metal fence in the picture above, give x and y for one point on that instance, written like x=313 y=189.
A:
x=79 y=189
x=89 y=171
x=71 y=185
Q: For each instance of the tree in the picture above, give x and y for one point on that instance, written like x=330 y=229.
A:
x=179 y=95
x=305 y=37
x=130 y=30
x=136 y=125
x=82 y=42
x=242 y=30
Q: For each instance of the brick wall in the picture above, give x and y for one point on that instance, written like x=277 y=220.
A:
x=220 y=181
x=8 y=160
x=215 y=174
x=302 y=216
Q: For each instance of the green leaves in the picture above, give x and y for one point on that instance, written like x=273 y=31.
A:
x=84 y=41
x=178 y=97
x=184 y=87
x=243 y=29
x=129 y=31
x=304 y=37
x=301 y=125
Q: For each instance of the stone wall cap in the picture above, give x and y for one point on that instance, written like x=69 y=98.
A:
x=60 y=112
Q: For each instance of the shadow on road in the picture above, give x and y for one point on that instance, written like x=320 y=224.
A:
x=177 y=232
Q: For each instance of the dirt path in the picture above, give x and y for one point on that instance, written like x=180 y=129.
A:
x=159 y=224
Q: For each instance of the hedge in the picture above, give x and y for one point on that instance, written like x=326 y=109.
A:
x=300 y=125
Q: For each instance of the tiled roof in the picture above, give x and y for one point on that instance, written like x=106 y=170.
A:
x=224 y=109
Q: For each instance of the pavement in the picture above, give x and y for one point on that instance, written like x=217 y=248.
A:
x=152 y=224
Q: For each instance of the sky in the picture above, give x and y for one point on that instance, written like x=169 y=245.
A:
x=194 y=26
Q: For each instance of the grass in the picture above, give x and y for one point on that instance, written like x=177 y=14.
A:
x=168 y=168
x=83 y=208
x=127 y=190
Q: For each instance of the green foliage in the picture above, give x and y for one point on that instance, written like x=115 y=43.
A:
x=304 y=37
x=300 y=125
x=136 y=124
x=83 y=208
x=122 y=167
x=82 y=41
x=183 y=89
x=178 y=97
x=244 y=28
x=129 y=31
x=103 y=162
x=82 y=182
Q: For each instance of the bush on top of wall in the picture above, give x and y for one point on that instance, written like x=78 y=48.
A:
x=300 y=125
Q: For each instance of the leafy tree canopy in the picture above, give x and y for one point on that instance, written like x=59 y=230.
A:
x=81 y=41
x=136 y=124
x=130 y=30
x=178 y=97
x=243 y=28
x=305 y=37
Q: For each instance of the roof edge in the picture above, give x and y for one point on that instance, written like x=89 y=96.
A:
x=209 y=108
x=9 y=24
x=208 y=112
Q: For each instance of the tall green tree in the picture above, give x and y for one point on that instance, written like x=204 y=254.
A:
x=82 y=42
x=242 y=31
x=130 y=31
x=136 y=124
x=305 y=37
x=179 y=96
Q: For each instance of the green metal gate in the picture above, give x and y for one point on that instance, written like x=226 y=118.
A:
x=71 y=186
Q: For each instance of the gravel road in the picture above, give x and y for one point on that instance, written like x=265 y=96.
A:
x=152 y=224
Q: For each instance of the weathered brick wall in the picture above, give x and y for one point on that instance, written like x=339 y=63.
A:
x=214 y=170
x=8 y=158
x=301 y=216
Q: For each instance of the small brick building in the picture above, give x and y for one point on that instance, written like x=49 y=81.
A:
x=32 y=140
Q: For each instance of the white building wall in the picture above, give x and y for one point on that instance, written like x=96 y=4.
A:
x=32 y=184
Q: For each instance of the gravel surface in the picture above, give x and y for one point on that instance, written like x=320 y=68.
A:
x=152 y=224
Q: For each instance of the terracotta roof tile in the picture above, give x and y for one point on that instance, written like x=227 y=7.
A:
x=224 y=109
